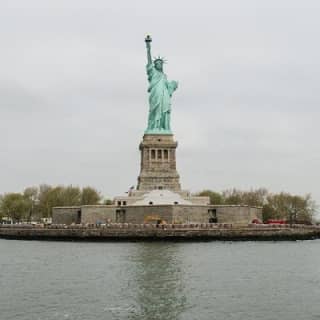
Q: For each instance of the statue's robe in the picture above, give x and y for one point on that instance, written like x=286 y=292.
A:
x=160 y=90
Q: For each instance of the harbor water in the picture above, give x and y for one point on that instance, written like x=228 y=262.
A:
x=43 y=280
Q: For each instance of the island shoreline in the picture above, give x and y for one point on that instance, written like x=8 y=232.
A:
x=159 y=233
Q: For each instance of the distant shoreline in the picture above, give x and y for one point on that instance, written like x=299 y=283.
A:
x=125 y=232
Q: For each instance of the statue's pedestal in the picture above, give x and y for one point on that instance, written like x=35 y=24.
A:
x=158 y=163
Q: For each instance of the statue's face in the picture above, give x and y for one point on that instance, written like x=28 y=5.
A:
x=158 y=65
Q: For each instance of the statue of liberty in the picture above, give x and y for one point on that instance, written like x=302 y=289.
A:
x=160 y=92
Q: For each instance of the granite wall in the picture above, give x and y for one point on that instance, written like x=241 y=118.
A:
x=237 y=214
x=149 y=214
x=66 y=215
x=190 y=214
x=101 y=214
x=98 y=214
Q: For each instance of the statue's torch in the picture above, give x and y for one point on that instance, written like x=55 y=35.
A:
x=148 y=41
x=148 y=44
x=148 y=38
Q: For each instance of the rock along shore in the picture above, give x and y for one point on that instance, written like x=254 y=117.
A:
x=146 y=232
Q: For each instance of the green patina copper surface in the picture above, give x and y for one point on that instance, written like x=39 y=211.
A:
x=160 y=92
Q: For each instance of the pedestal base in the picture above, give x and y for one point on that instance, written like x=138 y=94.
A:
x=158 y=163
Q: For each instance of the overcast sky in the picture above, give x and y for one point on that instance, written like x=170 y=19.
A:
x=73 y=92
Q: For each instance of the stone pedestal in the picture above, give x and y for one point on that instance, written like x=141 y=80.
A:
x=158 y=163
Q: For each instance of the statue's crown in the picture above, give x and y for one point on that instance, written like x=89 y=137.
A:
x=159 y=59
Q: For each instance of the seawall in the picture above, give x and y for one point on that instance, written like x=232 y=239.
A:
x=127 y=232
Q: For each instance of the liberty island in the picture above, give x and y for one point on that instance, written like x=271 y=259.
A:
x=158 y=198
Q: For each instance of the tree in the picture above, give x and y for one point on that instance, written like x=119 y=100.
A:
x=70 y=196
x=44 y=200
x=215 y=197
x=107 y=202
x=15 y=206
x=293 y=208
x=59 y=196
x=1 y=212
x=31 y=194
x=255 y=198
x=89 y=196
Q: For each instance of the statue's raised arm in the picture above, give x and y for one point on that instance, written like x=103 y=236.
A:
x=160 y=92
x=148 y=44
